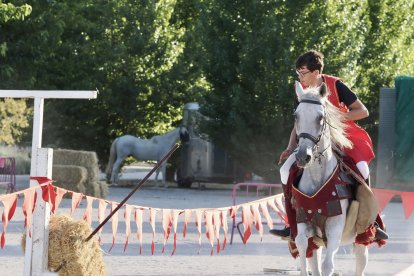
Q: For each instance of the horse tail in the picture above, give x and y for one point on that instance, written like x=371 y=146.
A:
x=112 y=158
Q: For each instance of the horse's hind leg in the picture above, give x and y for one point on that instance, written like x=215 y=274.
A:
x=361 y=256
x=115 y=170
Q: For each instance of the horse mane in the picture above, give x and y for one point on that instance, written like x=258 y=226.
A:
x=334 y=118
x=155 y=139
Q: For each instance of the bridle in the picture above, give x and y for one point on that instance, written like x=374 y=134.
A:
x=314 y=139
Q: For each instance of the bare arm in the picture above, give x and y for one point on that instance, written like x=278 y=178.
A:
x=292 y=140
x=291 y=146
x=357 y=111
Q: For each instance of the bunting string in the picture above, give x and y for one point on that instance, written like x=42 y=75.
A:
x=254 y=214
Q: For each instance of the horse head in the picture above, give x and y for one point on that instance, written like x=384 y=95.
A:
x=184 y=134
x=310 y=121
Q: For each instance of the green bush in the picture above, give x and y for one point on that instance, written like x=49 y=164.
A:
x=21 y=155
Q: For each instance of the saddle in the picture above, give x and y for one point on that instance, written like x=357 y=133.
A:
x=345 y=182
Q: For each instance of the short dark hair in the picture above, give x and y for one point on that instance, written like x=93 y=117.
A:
x=312 y=59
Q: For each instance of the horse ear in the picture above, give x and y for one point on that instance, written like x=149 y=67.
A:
x=324 y=90
x=298 y=89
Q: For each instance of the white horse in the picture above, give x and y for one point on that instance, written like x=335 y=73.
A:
x=319 y=126
x=142 y=149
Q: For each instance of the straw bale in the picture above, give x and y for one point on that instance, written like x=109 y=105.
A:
x=104 y=189
x=93 y=173
x=93 y=189
x=69 y=173
x=75 y=157
x=67 y=246
x=70 y=177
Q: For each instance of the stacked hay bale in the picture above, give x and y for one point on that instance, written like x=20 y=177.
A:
x=69 y=253
x=78 y=171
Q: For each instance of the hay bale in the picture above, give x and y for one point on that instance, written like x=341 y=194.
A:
x=104 y=189
x=70 y=177
x=75 y=157
x=69 y=250
x=93 y=173
x=93 y=189
x=87 y=160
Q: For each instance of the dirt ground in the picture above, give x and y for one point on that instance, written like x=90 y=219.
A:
x=190 y=259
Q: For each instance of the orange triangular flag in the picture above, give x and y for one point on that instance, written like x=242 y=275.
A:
x=153 y=212
x=76 y=200
x=87 y=216
x=60 y=192
x=114 y=224
x=408 y=203
x=138 y=221
x=383 y=197
x=127 y=217
x=101 y=215
x=28 y=207
x=9 y=203
x=247 y=222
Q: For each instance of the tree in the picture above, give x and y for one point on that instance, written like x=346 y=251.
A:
x=14 y=114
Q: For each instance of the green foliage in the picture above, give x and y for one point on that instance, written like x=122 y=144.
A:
x=148 y=58
x=250 y=47
x=8 y=11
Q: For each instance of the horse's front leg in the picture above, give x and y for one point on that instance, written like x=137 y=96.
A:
x=315 y=262
x=334 y=228
x=301 y=242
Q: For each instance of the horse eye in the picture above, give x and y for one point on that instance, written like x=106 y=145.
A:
x=321 y=118
x=295 y=116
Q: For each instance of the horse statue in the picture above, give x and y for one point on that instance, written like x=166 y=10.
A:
x=143 y=149
x=320 y=127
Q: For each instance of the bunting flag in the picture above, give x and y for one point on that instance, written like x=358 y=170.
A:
x=87 y=216
x=208 y=221
x=28 y=207
x=76 y=200
x=217 y=225
x=49 y=195
x=60 y=192
x=408 y=203
x=223 y=217
x=214 y=219
x=247 y=222
x=175 y=215
x=187 y=216
x=257 y=219
x=265 y=212
x=127 y=218
x=138 y=221
x=153 y=212
x=101 y=215
x=198 y=217
x=9 y=203
x=114 y=224
x=166 y=225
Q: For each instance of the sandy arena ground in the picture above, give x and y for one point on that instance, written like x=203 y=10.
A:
x=236 y=259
